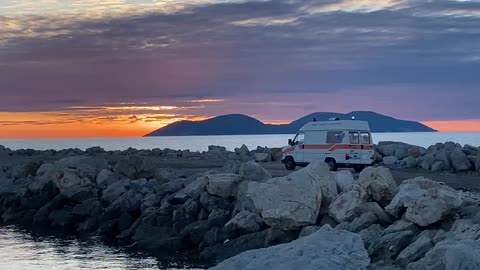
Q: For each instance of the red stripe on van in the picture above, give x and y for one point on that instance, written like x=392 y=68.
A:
x=333 y=147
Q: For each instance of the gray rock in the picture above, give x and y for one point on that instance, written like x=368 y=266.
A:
x=459 y=160
x=288 y=203
x=222 y=185
x=411 y=162
x=438 y=166
x=464 y=229
x=359 y=223
x=195 y=189
x=324 y=249
x=379 y=184
x=390 y=160
x=243 y=153
x=318 y=171
x=443 y=155
x=464 y=254
x=344 y=180
x=251 y=171
x=306 y=231
x=417 y=249
x=399 y=226
x=477 y=165
x=218 y=217
x=244 y=222
x=375 y=208
x=388 y=246
x=105 y=178
x=426 y=201
x=343 y=208
x=440 y=236
x=370 y=234
x=262 y=157
x=114 y=191
x=427 y=161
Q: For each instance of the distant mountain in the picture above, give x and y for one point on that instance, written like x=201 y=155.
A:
x=238 y=124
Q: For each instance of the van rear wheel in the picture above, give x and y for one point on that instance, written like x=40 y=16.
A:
x=332 y=164
x=290 y=164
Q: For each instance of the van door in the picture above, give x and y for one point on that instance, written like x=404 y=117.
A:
x=355 y=148
x=299 y=144
x=367 y=147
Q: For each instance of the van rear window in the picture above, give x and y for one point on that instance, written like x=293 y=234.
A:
x=354 y=139
x=366 y=138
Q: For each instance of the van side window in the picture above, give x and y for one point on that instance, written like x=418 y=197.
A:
x=366 y=138
x=299 y=139
x=334 y=137
x=354 y=139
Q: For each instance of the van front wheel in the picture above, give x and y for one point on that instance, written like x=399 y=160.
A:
x=332 y=164
x=290 y=164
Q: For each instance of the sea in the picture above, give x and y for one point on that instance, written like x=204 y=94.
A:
x=21 y=250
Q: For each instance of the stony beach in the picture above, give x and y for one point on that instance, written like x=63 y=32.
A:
x=416 y=208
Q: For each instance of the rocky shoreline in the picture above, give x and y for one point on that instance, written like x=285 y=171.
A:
x=212 y=206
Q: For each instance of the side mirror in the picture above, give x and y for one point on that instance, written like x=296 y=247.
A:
x=290 y=142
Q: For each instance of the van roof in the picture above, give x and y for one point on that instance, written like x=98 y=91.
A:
x=337 y=125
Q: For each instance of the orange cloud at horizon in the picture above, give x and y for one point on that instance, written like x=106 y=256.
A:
x=472 y=125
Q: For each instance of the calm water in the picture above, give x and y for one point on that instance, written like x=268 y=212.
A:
x=201 y=143
x=22 y=251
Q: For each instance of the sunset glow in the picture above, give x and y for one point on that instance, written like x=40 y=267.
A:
x=455 y=126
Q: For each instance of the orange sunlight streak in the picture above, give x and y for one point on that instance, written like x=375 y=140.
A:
x=455 y=126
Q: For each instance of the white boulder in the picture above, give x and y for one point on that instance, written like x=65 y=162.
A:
x=379 y=184
x=222 y=185
x=343 y=208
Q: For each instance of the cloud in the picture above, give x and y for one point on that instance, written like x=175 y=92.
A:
x=56 y=55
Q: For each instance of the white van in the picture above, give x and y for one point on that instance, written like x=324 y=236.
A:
x=340 y=143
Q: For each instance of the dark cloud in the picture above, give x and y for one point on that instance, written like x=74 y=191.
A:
x=241 y=49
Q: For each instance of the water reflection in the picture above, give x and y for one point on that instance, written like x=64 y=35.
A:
x=23 y=251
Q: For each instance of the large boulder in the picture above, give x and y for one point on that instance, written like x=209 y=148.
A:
x=251 y=171
x=379 y=184
x=343 y=208
x=243 y=153
x=319 y=172
x=427 y=161
x=477 y=165
x=450 y=255
x=262 y=157
x=390 y=160
x=288 y=203
x=222 y=185
x=411 y=162
x=344 y=180
x=244 y=222
x=392 y=241
x=443 y=155
x=325 y=249
x=399 y=149
x=459 y=160
x=417 y=249
x=426 y=201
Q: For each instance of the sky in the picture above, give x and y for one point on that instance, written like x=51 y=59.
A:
x=122 y=68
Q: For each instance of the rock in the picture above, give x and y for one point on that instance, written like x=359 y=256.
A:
x=464 y=229
x=399 y=226
x=417 y=249
x=370 y=234
x=440 y=236
x=285 y=202
x=245 y=222
x=426 y=201
x=460 y=161
x=324 y=249
x=379 y=184
x=411 y=162
x=114 y=191
x=326 y=219
x=375 y=208
x=231 y=166
x=438 y=166
x=219 y=217
x=256 y=240
x=359 y=223
x=400 y=150
x=344 y=180
x=477 y=164
x=427 y=161
x=319 y=172
x=342 y=209
x=388 y=246
x=306 y=231
x=222 y=185
x=90 y=207
x=470 y=150
x=195 y=189
x=105 y=178
x=390 y=160
x=443 y=155
x=243 y=153
x=196 y=231
x=216 y=236
x=464 y=254
x=251 y=171
x=262 y=157
x=210 y=202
